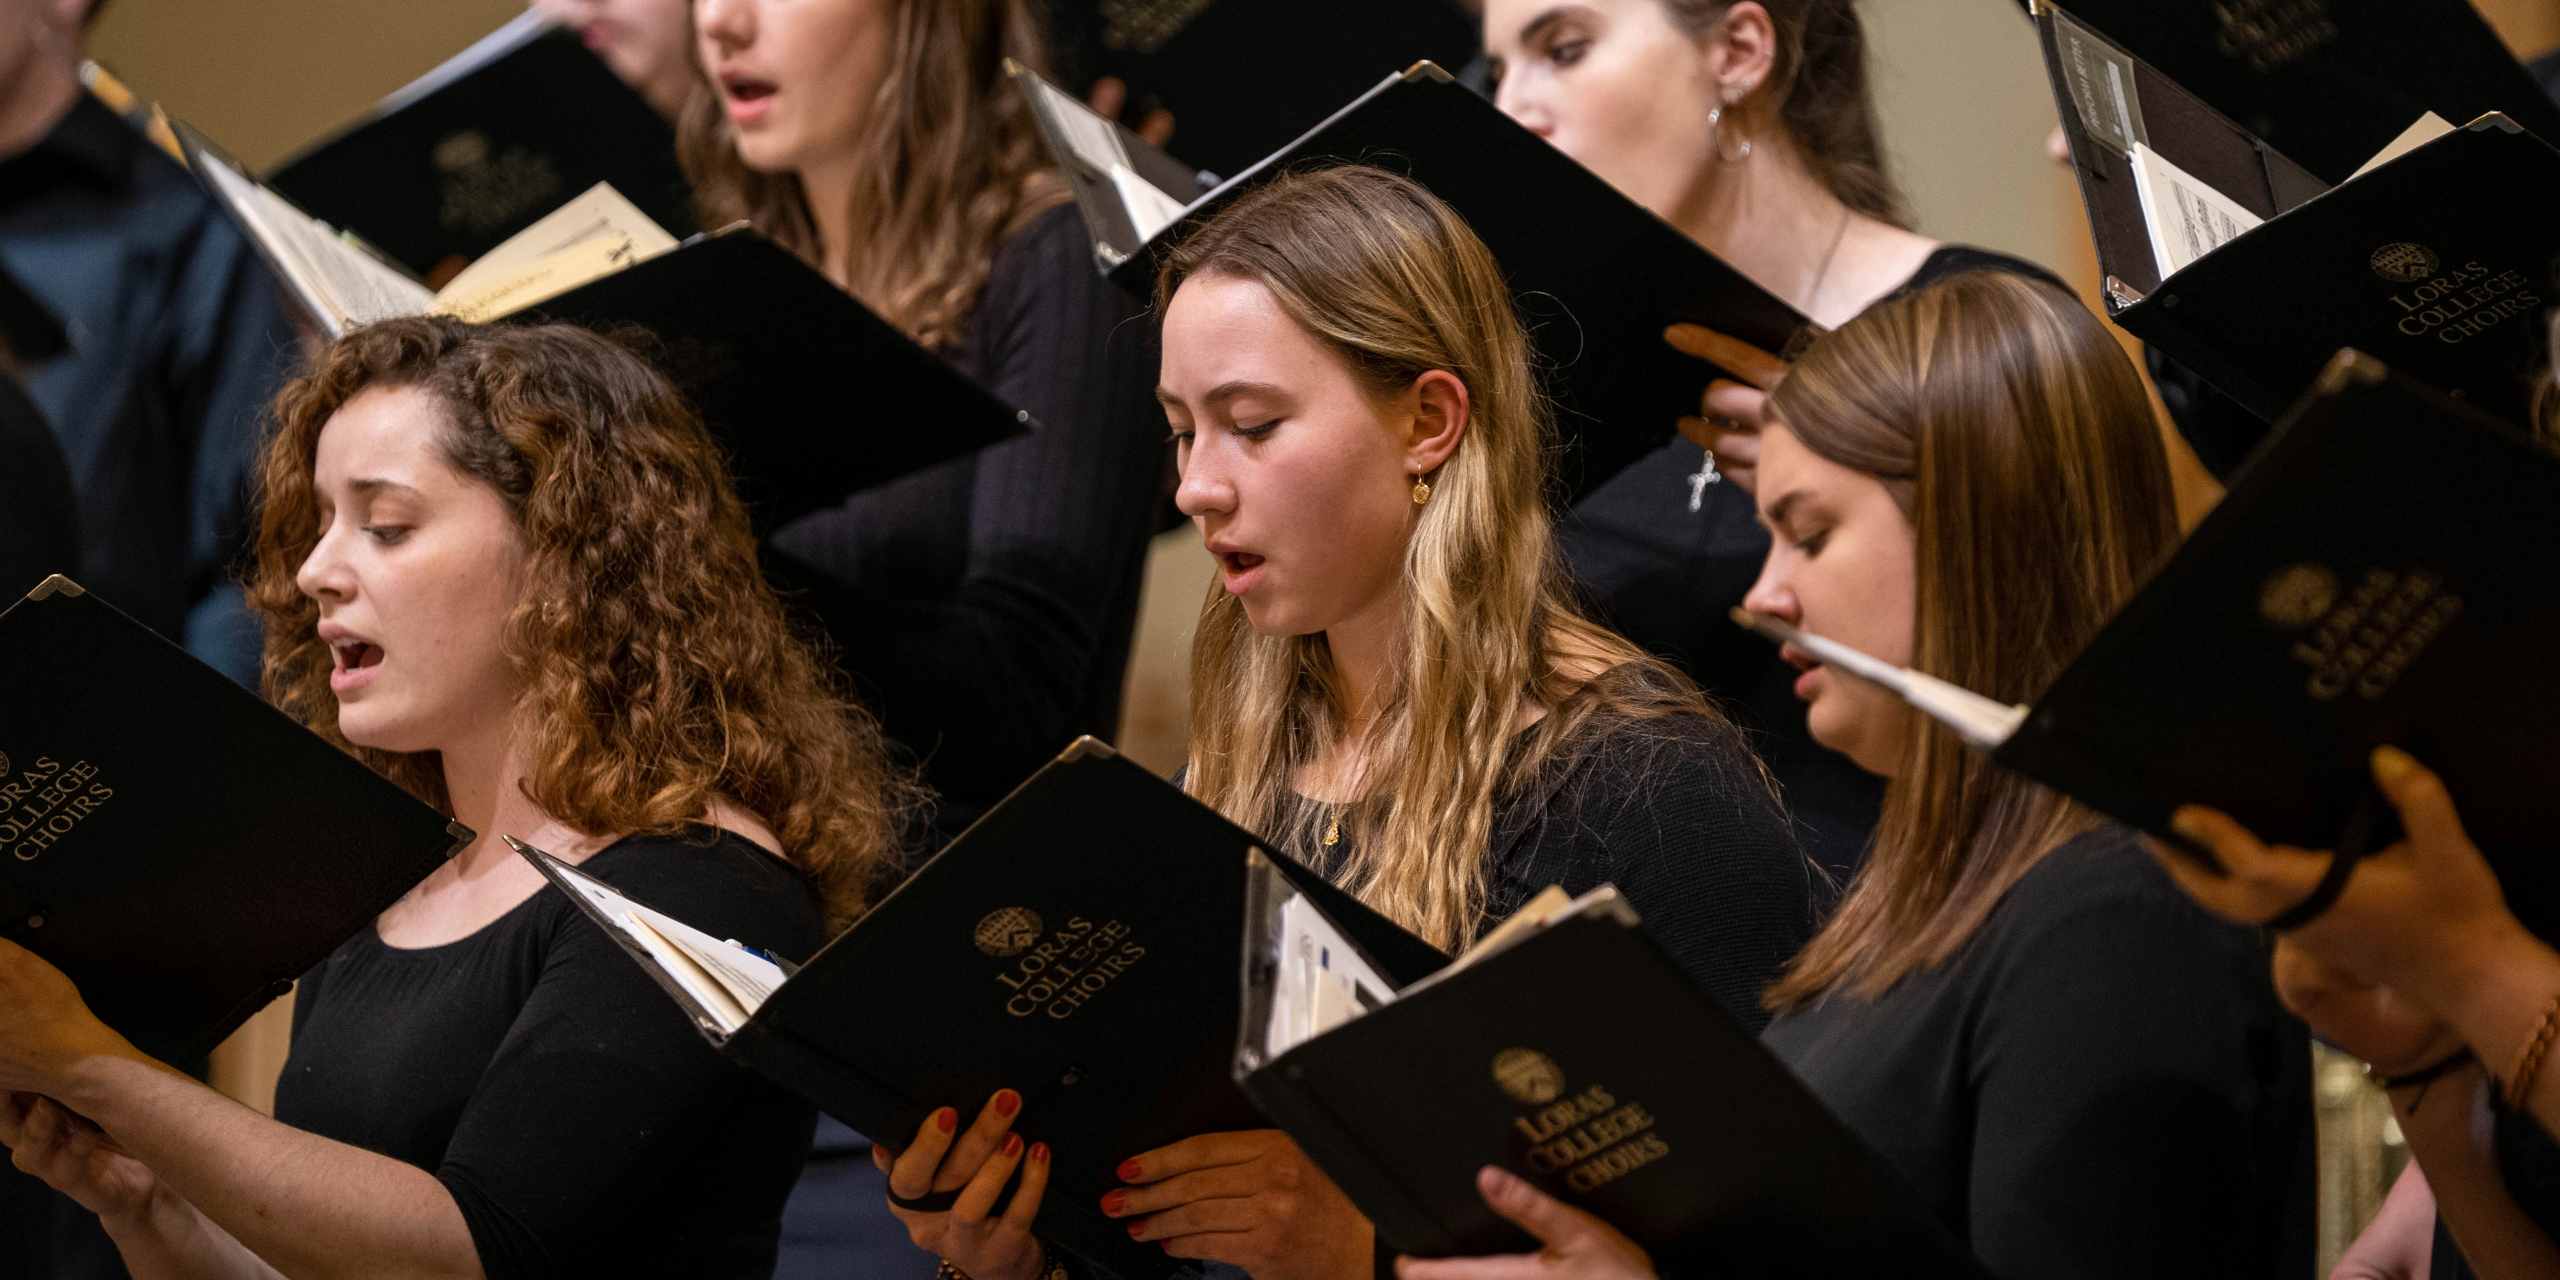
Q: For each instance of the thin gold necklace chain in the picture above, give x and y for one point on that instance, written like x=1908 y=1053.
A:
x=1823 y=272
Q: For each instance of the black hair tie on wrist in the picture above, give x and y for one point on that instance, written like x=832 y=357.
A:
x=2372 y=825
x=929 y=1202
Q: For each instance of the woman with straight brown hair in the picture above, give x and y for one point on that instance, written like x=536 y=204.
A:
x=984 y=606
x=504 y=568
x=2080 y=1071
x=1751 y=127
x=1391 y=680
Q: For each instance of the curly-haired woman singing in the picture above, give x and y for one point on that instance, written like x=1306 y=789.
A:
x=504 y=567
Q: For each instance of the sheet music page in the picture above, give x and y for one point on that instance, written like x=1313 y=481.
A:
x=726 y=979
x=346 y=281
x=596 y=234
x=2428 y=128
x=1322 y=982
x=2187 y=219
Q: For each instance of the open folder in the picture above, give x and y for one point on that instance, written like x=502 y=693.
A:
x=2251 y=270
x=1570 y=1049
x=1077 y=944
x=2328 y=82
x=815 y=396
x=2382 y=572
x=1244 y=76
x=1596 y=276
x=177 y=847
x=452 y=164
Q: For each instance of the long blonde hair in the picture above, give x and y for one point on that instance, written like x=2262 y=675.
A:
x=1386 y=277
x=2017 y=439
x=956 y=166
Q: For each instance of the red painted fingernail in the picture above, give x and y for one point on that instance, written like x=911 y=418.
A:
x=1137 y=1229
x=1007 y=1102
x=1012 y=1145
x=946 y=1119
x=1129 y=1171
x=1039 y=1153
x=1112 y=1203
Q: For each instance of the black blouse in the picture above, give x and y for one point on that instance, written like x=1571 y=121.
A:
x=1666 y=558
x=578 y=1119
x=2100 y=1084
x=985 y=606
x=1675 y=812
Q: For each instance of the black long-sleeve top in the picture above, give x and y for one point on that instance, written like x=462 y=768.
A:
x=1674 y=811
x=985 y=606
x=2100 y=1084
x=581 y=1124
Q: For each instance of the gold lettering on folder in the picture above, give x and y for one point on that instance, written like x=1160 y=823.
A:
x=2450 y=304
x=2365 y=641
x=1590 y=1138
x=1061 y=973
x=45 y=802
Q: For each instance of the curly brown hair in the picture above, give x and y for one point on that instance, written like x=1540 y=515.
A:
x=661 y=671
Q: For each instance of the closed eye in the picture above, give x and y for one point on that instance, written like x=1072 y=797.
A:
x=1259 y=431
x=388 y=535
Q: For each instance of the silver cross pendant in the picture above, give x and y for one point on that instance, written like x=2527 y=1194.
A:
x=1706 y=475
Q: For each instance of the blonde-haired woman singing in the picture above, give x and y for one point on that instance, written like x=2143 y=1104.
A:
x=1391 y=679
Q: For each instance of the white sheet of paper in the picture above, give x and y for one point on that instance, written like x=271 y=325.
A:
x=724 y=977
x=594 y=235
x=348 y=282
x=1087 y=134
x=2428 y=128
x=1321 y=983
x=2187 y=218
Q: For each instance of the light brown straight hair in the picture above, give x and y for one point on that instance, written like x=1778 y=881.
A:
x=956 y=166
x=1820 y=84
x=1389 y=280
x=2015 y=435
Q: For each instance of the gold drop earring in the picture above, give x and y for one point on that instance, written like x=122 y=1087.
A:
x=1421 y=491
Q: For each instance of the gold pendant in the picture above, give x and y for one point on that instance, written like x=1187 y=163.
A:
x=1333 y=832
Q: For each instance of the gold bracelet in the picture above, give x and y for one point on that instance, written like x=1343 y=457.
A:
x=2529 y=1064
x=1050 y=1268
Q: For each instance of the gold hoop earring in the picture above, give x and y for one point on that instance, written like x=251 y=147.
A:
x=1421 y=491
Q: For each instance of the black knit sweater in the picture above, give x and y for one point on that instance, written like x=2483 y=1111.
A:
x=1676 y=813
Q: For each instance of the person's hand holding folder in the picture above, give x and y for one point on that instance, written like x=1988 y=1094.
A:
x=1250 y=1199
x=1577 y=1246
x=72 y=1156
x=1728 y=427
x=944 y=1187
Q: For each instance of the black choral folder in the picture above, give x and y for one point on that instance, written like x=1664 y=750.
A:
x=1077 y=944
x=2438 y=261
x=1584 y=1060
x=180 y=849
x=2333 y=81
x=813 y=394
x=478 y=148
x=1596 y=275
x=1186 y=57
x=2385 y=570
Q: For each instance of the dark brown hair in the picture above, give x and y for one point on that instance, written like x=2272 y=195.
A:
x=1820 y=85
x=2015 y=435
x=954 y=165
x=660 y=671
